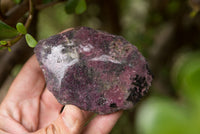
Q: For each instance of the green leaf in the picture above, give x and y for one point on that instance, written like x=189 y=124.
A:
x=9 y=49
x=7 y=31
x=71 y=6
x=3 y=42
x=30 y=41
x=81 y=7
x=21 y=28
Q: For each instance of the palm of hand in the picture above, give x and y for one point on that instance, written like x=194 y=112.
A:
x=29 y=107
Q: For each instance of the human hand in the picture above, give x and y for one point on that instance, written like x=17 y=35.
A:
x=30 y=108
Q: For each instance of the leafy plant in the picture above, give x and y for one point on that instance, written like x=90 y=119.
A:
x=7 y=31
x=30 y=40
x=81 y=7
x=75 y=6
x=9 y=35
x=21 y=28
x=161 y=116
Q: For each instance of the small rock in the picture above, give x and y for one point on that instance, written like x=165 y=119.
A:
x=93 y=70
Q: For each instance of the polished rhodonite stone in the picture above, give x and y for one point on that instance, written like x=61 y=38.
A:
x=93 y=70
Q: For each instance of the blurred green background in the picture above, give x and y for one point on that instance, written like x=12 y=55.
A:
x=167 y=32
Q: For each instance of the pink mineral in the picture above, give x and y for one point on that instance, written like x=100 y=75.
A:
x=93 y=70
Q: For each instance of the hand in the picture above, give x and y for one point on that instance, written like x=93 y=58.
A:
x=30 y=108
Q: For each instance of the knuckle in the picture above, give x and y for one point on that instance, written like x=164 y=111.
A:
x=52 y=129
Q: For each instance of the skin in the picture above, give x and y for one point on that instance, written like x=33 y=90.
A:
x=30 y=108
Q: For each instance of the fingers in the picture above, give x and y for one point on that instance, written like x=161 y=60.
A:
x=3 y=132
x=102 y=124
x=71 y=121
x=7 y=125
x=23 y=99
x=74 y=118
x=29 y=83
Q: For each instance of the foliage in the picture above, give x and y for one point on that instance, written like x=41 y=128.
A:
x=186 y=75
x=21 y=28
x=7 y=31
x=75 y=6
x=164 y=115
x=30 y=40
x=160 y=115
x=3 y=42
x=71 y=6
x=81 y=7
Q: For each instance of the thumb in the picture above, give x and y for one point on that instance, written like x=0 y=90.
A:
x=70 y=121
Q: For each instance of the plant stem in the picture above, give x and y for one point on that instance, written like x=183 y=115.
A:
x=27 y=24
x=30 y=16
x=29 y=19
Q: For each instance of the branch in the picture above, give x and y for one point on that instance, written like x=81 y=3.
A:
x=30 y=16
x=13 y=15
x=1 y=15
x=20 y=53
x=27 y=24
x=18 y=11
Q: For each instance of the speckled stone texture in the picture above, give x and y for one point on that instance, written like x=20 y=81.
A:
x=93 y=70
